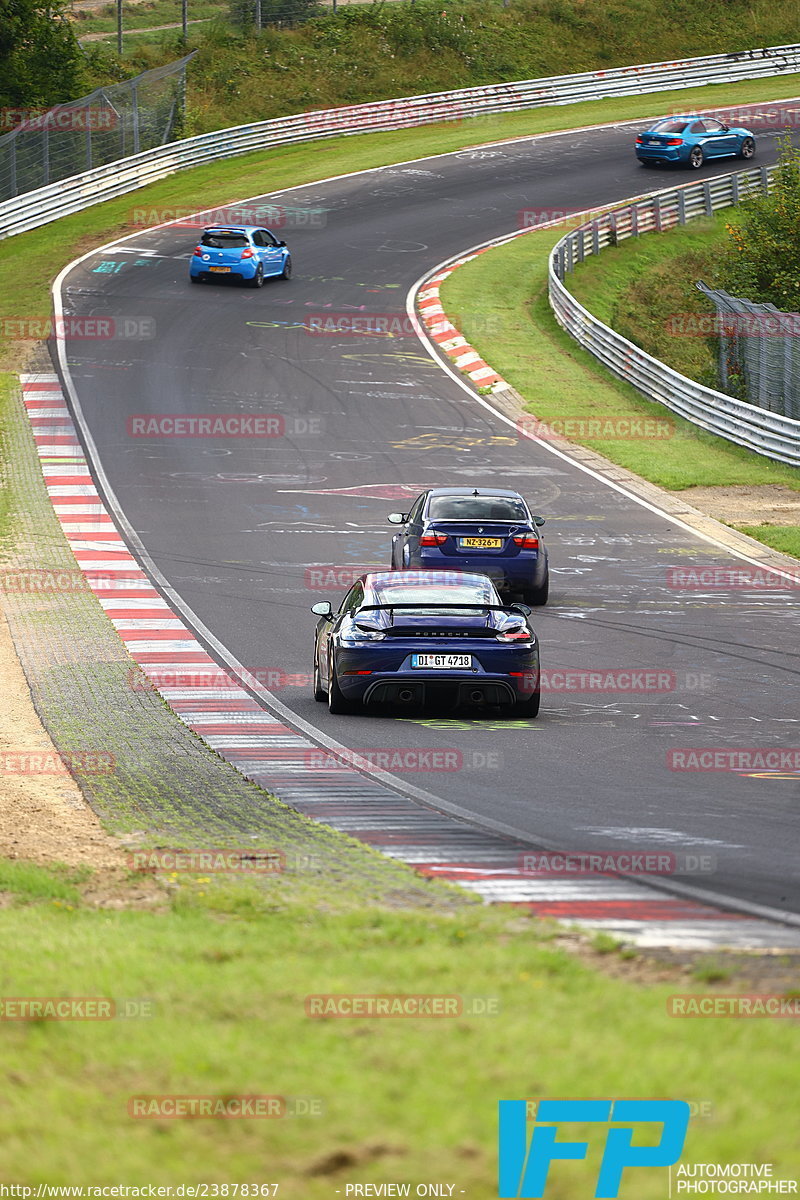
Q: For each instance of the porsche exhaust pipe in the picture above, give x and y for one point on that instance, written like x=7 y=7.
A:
x=405 y=696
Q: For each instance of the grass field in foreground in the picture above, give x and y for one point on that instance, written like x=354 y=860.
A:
x=226 y=967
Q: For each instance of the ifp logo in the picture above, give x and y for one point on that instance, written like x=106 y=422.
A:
x=524 y=1165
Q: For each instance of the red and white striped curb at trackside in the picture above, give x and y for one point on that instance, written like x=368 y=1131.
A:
x=212 y=703
x=449 y=339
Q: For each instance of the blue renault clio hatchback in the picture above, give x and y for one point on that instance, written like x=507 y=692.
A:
x=244 y=252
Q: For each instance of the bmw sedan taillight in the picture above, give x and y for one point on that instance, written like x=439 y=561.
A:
x=528 y=541
x=674 y=141
x=639 y=139
x=433 y=539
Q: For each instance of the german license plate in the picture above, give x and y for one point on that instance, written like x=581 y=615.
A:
x=220 y=269
x=442 y=662
x=478 y=543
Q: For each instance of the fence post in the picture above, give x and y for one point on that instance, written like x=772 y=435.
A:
x=45 y=155
x=707 y=198
x=135 y=103
x=681 y=207
x=634 y=220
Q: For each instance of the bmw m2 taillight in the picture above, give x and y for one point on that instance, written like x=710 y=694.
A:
x=639 y=139
x=527 y=541
x=674 y=141
x=433 y=539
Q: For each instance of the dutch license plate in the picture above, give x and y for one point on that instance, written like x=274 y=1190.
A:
x=442 y=662
x=219 y=268
x=478 y=543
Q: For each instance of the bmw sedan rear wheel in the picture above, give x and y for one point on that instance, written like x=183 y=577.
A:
x=747 y=148
x=696 y=158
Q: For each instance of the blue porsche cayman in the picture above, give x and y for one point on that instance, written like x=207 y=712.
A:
x=691 y=140
x=407 y=637
x=488 y=530
x=244 y=252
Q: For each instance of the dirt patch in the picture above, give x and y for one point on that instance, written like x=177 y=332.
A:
x=770 y=504
x=43 y=816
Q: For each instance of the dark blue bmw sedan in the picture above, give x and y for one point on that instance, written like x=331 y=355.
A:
x=406 y=637
x=490 y=530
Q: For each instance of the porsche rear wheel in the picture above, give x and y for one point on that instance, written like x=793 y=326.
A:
x=529 y=707
x=338 y=704
x=320 y=695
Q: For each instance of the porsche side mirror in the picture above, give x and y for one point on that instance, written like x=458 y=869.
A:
x=323 y=609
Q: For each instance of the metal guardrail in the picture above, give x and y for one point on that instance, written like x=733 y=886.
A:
x=768 y=433
x=78 y=192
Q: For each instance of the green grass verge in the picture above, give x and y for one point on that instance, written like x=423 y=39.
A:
x=226 y=969
x=637 y=286
x=785 y=538
x=30 y=261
